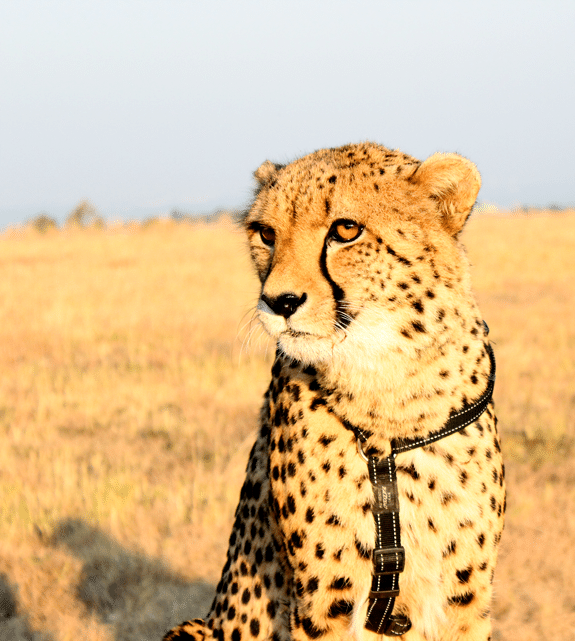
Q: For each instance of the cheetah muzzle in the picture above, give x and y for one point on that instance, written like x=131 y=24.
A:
x=365 y=287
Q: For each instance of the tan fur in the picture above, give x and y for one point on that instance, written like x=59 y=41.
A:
x=387 y=336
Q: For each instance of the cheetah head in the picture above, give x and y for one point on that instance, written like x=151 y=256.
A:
x=356 y=249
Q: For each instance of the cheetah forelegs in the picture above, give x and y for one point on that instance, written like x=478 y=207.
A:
x=195 y=629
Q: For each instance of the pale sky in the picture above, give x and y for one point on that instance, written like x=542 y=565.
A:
x=143 y=106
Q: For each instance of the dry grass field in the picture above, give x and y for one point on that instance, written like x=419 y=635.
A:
x=129 y=389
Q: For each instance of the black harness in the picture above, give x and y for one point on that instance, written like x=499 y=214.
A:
x=389 y=555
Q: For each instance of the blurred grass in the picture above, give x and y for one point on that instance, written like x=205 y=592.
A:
x=523 y=270
x=128 y=405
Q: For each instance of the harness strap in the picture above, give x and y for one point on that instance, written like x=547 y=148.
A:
x=389 y=555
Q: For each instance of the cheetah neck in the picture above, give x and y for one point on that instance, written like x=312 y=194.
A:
x=408 y=395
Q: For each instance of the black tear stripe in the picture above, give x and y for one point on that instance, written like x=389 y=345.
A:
x=343 y=319
x=268 y=272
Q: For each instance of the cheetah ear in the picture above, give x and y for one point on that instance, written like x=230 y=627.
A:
x=453 y=181
x=265 y=172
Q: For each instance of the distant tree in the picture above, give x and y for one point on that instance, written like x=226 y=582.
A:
x=43 y=223
x=150 y=222
x=85 y=215
x=177 y=215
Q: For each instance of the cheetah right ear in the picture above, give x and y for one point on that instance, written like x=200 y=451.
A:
x=453 y=182
x=265 y=172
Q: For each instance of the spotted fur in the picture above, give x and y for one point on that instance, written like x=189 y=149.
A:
x=366 y=289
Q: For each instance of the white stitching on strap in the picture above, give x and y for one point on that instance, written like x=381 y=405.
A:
x=438 y=435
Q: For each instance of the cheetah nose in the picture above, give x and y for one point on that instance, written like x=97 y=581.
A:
x=284 y=305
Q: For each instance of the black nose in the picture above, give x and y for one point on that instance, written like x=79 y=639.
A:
x=284 y=305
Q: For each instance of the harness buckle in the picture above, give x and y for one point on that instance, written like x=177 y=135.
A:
x=361 y=452
x=388 y=561
x=397 y=625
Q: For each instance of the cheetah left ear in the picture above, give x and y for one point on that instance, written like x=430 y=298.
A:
x=452 y=181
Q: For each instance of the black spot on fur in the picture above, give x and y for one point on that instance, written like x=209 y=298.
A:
x=310 y=629
x=317 y=402
x=401 y=259
x=313 y=584
x=299 y=588
x=276 y=369
x=341 y=583
x=334 y=520
x=340 y=608
x=409 y=469
x=254 y=627
x=461 y=599
x=463 y=575
x=450 y=549
x=296 y=540
x=363 y=551
x=314 y=385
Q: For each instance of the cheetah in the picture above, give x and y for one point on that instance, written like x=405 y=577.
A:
x=365 y=287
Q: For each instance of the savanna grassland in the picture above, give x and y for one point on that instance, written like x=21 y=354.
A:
x=130 y=382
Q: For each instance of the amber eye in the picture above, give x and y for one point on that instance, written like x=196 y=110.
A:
x=268 y=235
x=344 y=231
